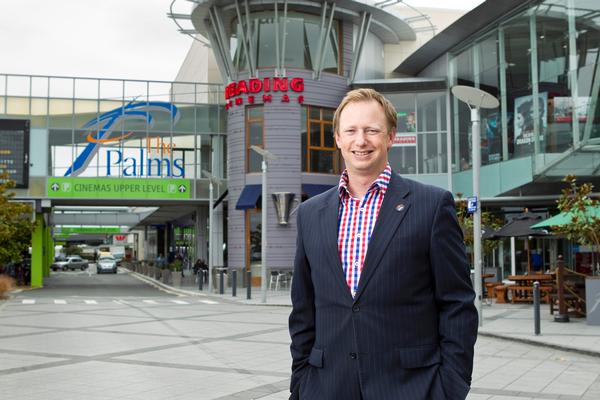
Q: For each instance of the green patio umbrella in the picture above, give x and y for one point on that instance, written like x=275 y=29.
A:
x=565 y=218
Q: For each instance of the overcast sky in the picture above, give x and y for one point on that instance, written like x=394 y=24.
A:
x=130 y=39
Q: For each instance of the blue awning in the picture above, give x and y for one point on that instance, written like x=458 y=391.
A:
x=249 y=197
x=313 y=190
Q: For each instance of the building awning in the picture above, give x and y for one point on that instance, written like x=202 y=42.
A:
x=566 y=218
x=312 y=190
x=249 y=197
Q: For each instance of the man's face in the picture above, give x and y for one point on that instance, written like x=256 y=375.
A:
x=364 y=138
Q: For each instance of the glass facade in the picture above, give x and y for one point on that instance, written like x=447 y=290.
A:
x=420 y=146
x=117 y=128
x=301 y=35
x=543 y=66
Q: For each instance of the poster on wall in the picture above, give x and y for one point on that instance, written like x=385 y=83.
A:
x=524 y=118
x=406 y=122
x=491 y=142
x=564 y=108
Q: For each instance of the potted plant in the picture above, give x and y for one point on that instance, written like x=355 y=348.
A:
x=175 y=268
x=7 y=284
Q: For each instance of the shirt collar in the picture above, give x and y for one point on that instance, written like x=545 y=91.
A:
x=381 y=183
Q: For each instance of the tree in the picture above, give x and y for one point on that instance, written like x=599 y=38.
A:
x=576 y=201
x=465 y=219
x=16 y=226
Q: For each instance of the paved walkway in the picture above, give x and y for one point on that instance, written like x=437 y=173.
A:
x=205 y=346
x=507 y=321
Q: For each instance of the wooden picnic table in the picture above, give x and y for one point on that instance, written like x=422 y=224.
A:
x=522 y=289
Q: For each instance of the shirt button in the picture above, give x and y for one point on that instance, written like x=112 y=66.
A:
x=356 y=308
x=353 y=356
x=356 y=264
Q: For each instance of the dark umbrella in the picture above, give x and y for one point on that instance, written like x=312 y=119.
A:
x=520 y=226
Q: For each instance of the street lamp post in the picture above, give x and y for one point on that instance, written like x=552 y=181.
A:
x=212 y=180
x=476 y=99
x=266 y=156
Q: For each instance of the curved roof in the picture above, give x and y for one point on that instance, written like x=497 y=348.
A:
x=389 y=27
x=469 y=24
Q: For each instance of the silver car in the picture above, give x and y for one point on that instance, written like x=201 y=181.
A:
x=69 y=263
x=106 y=264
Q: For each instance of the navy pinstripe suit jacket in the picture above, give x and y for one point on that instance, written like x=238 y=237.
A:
x=410 y=330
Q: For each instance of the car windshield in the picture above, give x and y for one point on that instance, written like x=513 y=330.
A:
x=60 y=258
x=106 y=259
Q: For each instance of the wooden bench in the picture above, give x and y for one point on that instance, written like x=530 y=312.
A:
x=501 y=294
x=522 y=294
x=490 y=289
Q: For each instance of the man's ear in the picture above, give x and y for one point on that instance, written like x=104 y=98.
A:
x=337 y=140
x=391 y=136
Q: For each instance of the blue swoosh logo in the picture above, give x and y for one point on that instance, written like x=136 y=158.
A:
x=106 y=122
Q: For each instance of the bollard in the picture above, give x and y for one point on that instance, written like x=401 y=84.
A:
x=221 y=289
x=536 y=307
x=234 y=283
x=200 y=279
x=249 y=285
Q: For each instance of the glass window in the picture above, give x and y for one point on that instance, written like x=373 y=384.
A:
x=254 y=236
x=254 y=137
x=403 y=154
x=302 y=33
x=319 y=152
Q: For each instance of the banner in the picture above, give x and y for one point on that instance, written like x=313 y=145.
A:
x=401 y=140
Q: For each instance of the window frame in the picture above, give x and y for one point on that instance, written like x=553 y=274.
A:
x=322 y=123
x=248 y=121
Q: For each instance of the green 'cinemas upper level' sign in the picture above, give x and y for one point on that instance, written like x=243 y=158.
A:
x=111 y=188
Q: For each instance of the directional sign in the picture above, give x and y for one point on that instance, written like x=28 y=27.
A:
x=115 y=188
x=472 y=204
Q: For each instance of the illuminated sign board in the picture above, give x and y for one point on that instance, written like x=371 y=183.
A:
x=14 y=150
x=260 y=89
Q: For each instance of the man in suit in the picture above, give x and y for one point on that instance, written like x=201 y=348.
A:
x=382 y=298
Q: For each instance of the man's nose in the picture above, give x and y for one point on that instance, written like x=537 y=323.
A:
x=361 y=137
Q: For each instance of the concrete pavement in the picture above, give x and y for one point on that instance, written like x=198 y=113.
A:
x=506 y=321
x=184 y=345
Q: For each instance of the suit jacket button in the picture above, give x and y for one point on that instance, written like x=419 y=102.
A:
x=356 y=308
x=353 y=356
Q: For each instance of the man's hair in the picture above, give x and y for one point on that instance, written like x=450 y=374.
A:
x=358 y=95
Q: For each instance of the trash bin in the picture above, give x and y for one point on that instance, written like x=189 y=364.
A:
x=592 y=300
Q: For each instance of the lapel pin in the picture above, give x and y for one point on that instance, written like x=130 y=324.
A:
x=399 y=207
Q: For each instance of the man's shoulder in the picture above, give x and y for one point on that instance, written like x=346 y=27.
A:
x=320 y=200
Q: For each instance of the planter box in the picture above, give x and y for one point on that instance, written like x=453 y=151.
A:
x=592 y=300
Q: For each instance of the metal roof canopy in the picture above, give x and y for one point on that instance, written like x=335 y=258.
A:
x=478 y=19
x=166 y=211
x=385 y=25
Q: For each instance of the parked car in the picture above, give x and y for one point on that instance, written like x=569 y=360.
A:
x=69 y=263
x=106 y=264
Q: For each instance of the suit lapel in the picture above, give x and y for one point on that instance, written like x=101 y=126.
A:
x=329 y=226
x=394 y=208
